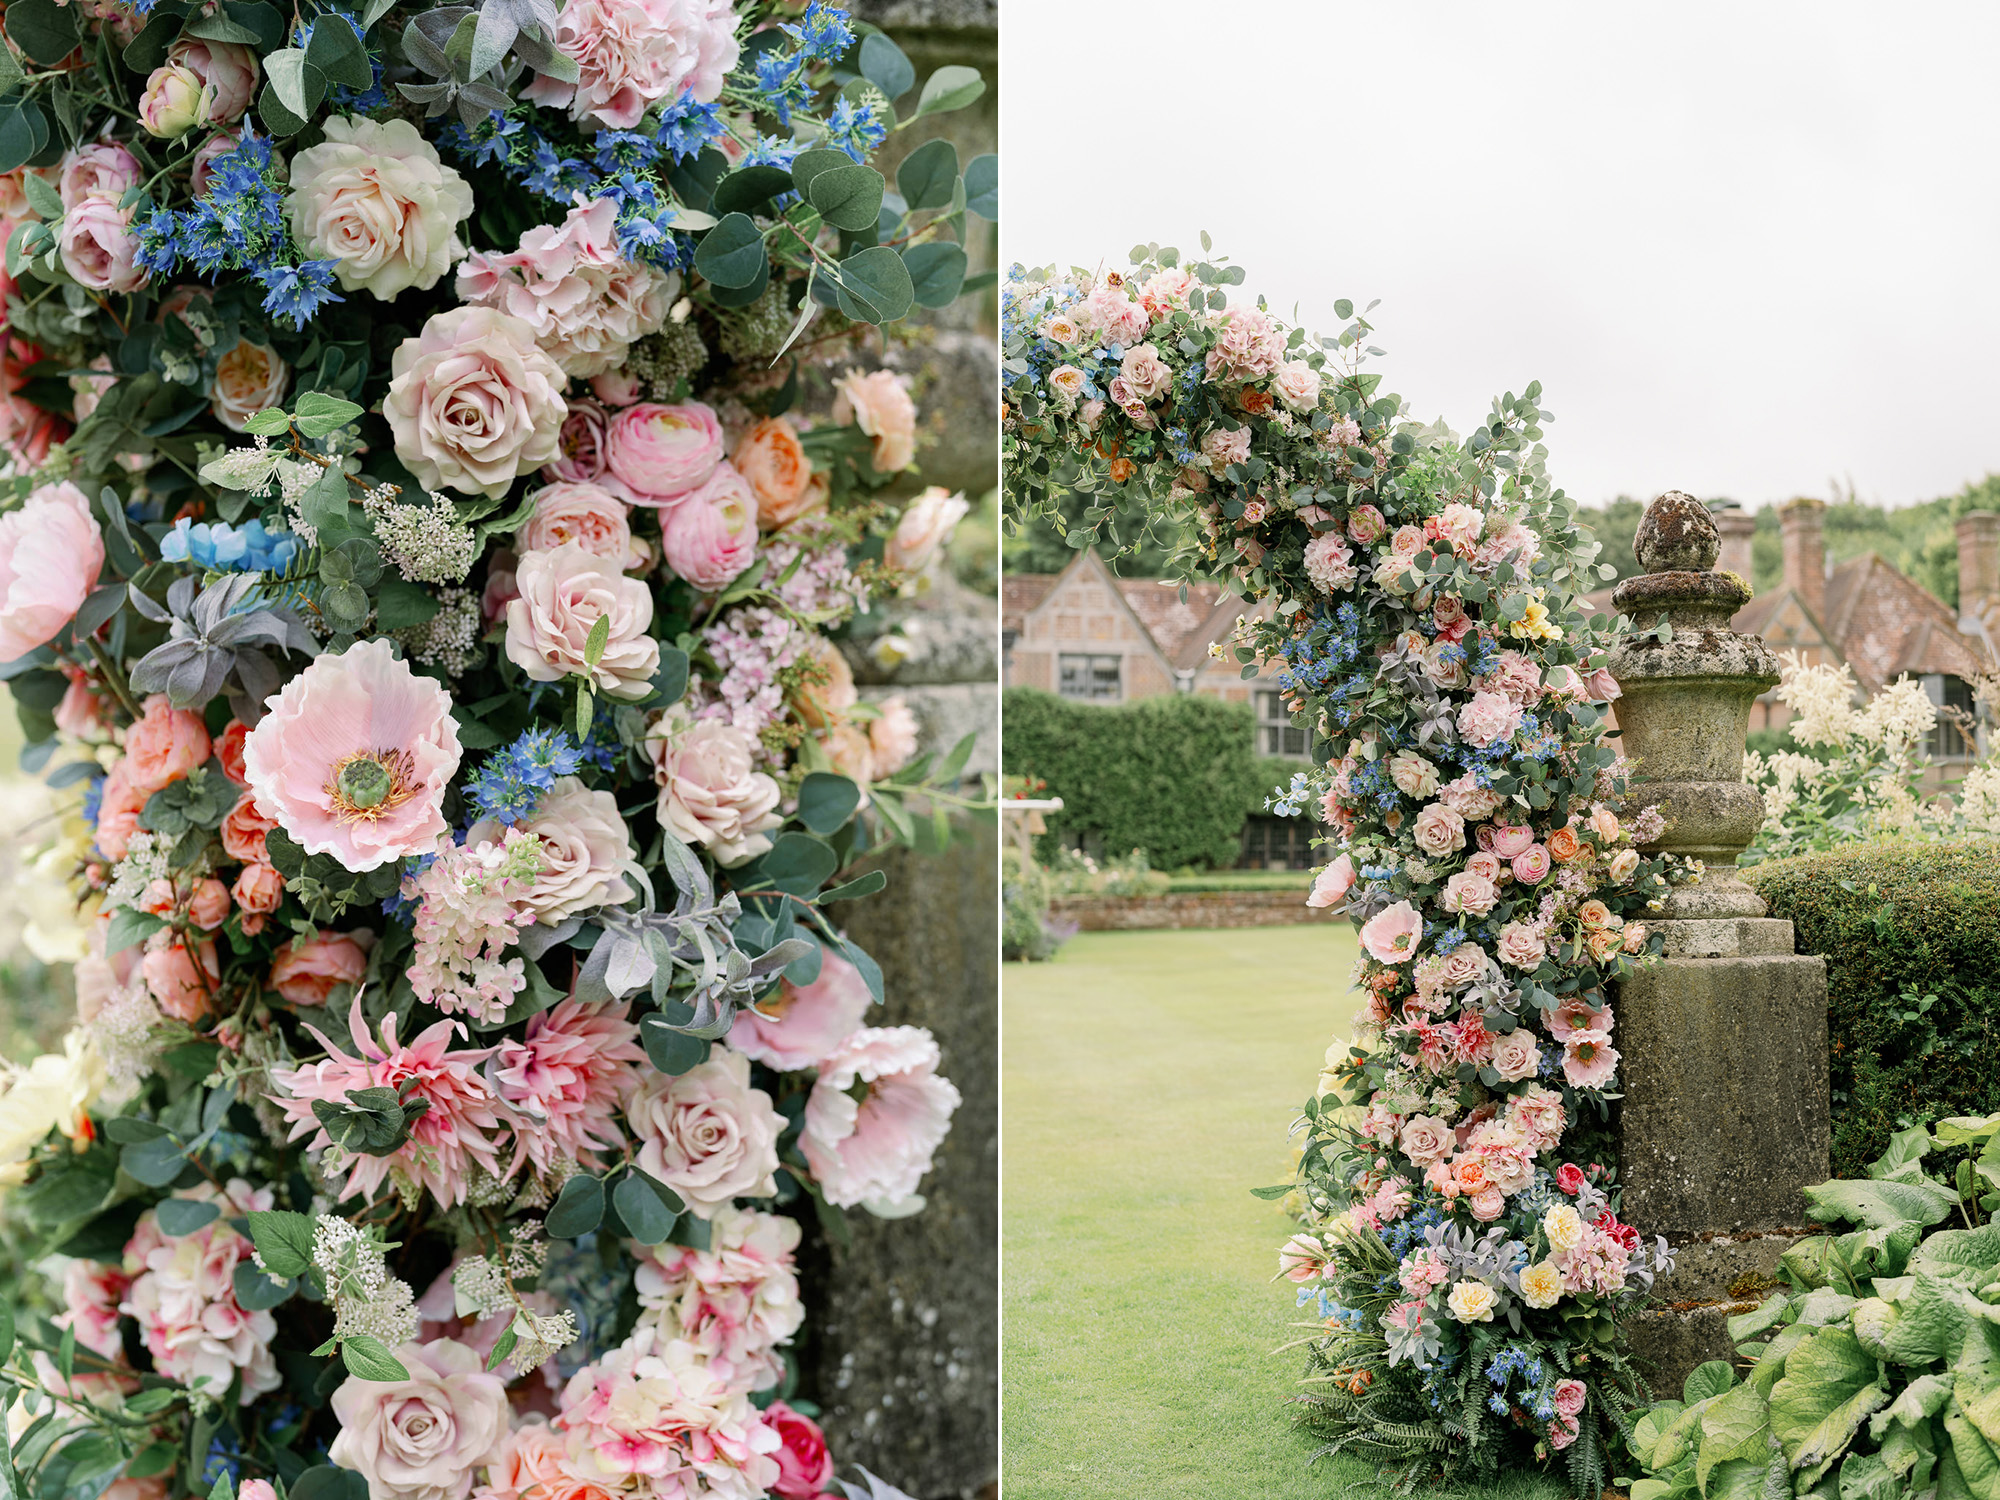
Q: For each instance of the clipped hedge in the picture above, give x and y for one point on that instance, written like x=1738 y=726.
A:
x=1174 y=775
x=1897 y=922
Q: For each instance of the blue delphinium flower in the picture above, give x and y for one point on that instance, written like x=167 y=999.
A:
x=822 y=32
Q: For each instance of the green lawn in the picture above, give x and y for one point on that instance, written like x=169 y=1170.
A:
x=1149 y=1080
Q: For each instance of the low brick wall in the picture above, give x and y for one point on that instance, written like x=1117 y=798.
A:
x=1186 y=909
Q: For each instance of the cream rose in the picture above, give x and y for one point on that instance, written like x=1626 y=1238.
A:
x=1439 y=830
x=1564 y=1227
x=563 y=594
x=421 y=1438
x=473 y=402
x=1425 y=1139
x=1473 y=1301
x=924 y=529
x=376 y=198
x=1515 y=1055
x=249 y=378
x=710 y=795
x=584 y=846
x=706 y=1133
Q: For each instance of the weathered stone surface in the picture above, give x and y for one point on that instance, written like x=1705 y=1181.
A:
x=1677 y=534
x=1179 y=909
x=905 y=1353
x=1667 y=1345
x=948 y=635
x=950 y=15
x=1727 y=937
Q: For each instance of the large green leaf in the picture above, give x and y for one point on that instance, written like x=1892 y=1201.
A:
x=1907 y=1148
x=1880 y=1205
x=1769 y=1314
x=1927 y=1325
x=1705 y=1380
x=1647 y=1429
x=1977 y=1461
x=1736 y=1426
x=1829 y=1385
x=1911 y=1452
x=1971 y=1254
x=1915 y=1403
x=1865 y=1476
x=1978 y=1395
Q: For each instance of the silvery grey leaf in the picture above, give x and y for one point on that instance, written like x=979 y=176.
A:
x=144 y=603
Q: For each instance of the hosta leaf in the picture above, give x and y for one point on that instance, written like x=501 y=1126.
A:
x=1829 y=1385
x=1880 y=1205
x=1977 y=1463
x=1736 y=1426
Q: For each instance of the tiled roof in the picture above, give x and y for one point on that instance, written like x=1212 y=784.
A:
x=1020 y=593
x=1157 y=603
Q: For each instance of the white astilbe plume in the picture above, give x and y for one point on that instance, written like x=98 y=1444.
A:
x=1979 y=800
x=366 y=1298
x=426 y=543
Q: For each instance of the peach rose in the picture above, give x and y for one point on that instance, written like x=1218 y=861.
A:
x=258 y=891
x=473 y=402
x=51 y=552
x=563 y=594
x=925 y=528
x=118 y=812
x=587 y=514
x=1563 y=846
x=179 y=989
x=772 y=462
x=244 y=830
x=879 y=404
x=376 y=198
x=306 y=972
x=164 y=745
x=208 y=907
x=248 y=379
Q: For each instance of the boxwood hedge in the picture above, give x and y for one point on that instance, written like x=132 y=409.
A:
x=1911 y=936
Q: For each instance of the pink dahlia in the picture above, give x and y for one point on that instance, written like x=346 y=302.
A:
x=451 y=1137
x=354 y=757
x=561 y=1082
x=802 y=1024
x=736 y=1301
x=876 y=1149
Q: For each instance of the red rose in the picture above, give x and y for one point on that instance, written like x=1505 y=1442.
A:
x=805 y=1468
x=1569 y=1178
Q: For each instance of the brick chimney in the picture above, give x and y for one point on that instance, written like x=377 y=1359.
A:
x=1803 y=522
x=1978 y=563
x=1737 y=528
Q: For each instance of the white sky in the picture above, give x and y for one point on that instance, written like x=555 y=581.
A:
x=1747 y=248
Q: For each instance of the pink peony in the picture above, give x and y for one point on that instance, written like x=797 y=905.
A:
x=805 y=1468
x=1589 y=1059
x=800 y=1025
x=1248 y=345
x=707 y=1134
x=354 y=757
x=309 y=970
x=164 y=745
x=1487 y=718
x=879 y=404
x=99 y=249
x=92 y=1291
x=1330 y=564
x=421 y=1438
x=1392 y=935
x=473 y=402
x=560 y=1084
x=655 y=454
x=1333 y=883
x=447 y=1141
x=51 y=552
x=634 y=53
x=737 y=1301
x=183 y=1296
x=563 y=593
x=711 y=795
x=710 y=535
x=877 y=1149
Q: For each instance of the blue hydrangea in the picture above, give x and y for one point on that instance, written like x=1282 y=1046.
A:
x=222 y=548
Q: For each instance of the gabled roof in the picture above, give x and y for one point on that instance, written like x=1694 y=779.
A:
x=1020 y=593
x=1885 y=625
x=1169 y=623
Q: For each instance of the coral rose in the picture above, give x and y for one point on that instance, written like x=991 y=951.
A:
x=879 y=404
x=709 y=537
x=259 y=890
x=473 y=402
x=118 y=812
x=421 y=1438
x=873 y=1145
x=654 y=454
x=243 y=830
x=208 y=906
x=376 y=199
x=563 y=594
x=164 y=745
x=711 y=795
x=307 y=972
x=354 y=757
x=176 y=985
x=774 y=465
x=706 y=1133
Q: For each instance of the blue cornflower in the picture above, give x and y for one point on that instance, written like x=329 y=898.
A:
x=855 y=128
x=687 y=125
x=622 y=150
x=222 y=548
x=822 y=32
x=93 y=800
x=295 y=293
x=782 y=82
x=494 y=143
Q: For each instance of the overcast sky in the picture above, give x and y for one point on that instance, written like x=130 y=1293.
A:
x=1747 y=249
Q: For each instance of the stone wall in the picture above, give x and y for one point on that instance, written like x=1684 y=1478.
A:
x=1186 y=909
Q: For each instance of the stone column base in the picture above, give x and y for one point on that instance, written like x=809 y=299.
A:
x=1713 y=1280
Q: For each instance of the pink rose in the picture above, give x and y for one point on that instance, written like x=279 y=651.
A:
x=1515 y=1055
x=1570 y=1396
x=1297 y=385
x=1469 y=893
x=244 y=830
x=218 y=145
x=633 y=53
x=164 y=745
x=924 y=529
x=228 y=73
x=706 y=1133
x=1487 y=718
x=473 y=402
x=710 y=794
x=585 y=846
x=1570 y=1178
x=562 y=595
x=1146 y=374
x=256 y=1489
x=105 y=169
x=655 y=454
x=98 y=246
x=1222 y=448
x=1366 y=525
x=118 y=810
x=587 y=514
x=1485 y=865
x=175 y=101
x=1332 y=883
x=805 y=1468
x=1562 y=1432
x=1521 y=945
x=579 y=445
x=208 y=907
x=617 y=387
x=1488 y=1203
x=879 y=404
x=259 y=890
x=1439 y=830
x=710 y=535
x=308 y=971
x=51 y=552
x=176 y=985
x=421 y=1438
x=876 y=1116
x=1531 y=865
x=1425 y=1139
x=1392 y=935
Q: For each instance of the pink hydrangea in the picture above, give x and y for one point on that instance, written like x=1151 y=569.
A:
x=470 y=909
x=1487 y=718
x=1597 y=1264
x=1538 y=1114
x=92 y=1292
x=1330 y=563
x=736 y=1302
x=633 y=53
x=183 y=1296
x=1110 y=313
x=354 y=757
x=560 y=1084
x=876 y=1150
x=454 y=1136
x=801 y=1025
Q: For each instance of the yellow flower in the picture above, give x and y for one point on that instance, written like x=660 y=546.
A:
x=52 y=1093
x=1542 y=1283
x=1472 y=1302
x=1535 y=624
x=1564 y=1227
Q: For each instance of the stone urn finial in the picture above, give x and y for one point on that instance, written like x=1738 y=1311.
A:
x=1685 y=712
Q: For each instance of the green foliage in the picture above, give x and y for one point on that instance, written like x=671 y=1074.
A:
x=1875 y=1370
x=1025 y=931
x=1911 y=937
x=1172 y=775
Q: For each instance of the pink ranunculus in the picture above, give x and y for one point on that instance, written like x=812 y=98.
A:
x=1487 y=718
x=711 y=794
x=177 y=985
x=256 y=1489
x=309 y=971
x=1488 y=1203
x=421 y=1438
x=562 y=1081
x=1333 y=883
x=562 y=594
x=654 y=454
x=1392 y=935
x=579 y=445
x=1510 y=839
x=1570 y=1178
x=879 y=404
x=877 y=1148
x=800 y=1025
x=1470 y=893
x=631 y=54
x=1439 y=831
x=473 y=402
x=584 y=513
x=51 y=552
x=805 y=1468
x=354 y=757
x=105 y=168
x=710 y=535
x=1515 y=1055
x=1531 y=865
x=164 y=745
x=924 y=529
x=706 y=1133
